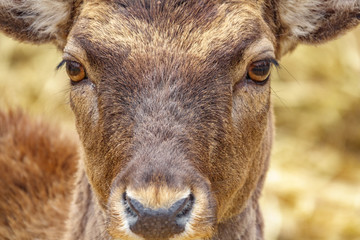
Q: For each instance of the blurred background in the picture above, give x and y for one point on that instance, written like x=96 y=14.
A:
x=313 y=186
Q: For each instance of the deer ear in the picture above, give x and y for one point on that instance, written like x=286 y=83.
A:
x=37 y=21
x=316 y=21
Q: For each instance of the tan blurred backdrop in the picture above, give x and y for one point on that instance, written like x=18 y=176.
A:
x=313 y=186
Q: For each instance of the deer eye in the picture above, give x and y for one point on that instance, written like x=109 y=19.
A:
x=259 y=71
x=75 y=71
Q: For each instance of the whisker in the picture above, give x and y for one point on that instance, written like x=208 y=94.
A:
x=280 y=99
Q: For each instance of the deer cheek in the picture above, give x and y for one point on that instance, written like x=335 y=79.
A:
x=83 y=102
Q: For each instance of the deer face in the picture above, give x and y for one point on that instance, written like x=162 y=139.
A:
x=174 y=107
x=172 y=99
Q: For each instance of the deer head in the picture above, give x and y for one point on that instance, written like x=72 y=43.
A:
x=172 y=101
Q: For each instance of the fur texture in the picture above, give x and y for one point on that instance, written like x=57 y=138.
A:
x=37 y=21
x=316 y=21
x=168 y=107
x=37 y=170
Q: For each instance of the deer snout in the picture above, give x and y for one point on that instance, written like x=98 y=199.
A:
x=158 y=223
x=160 y=210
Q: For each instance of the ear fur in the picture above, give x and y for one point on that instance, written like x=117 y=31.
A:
x=316 y=21
x=37 y=21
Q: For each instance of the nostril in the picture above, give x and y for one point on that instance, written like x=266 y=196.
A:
x=135 y=206
x=183 y=213
x=131 y=213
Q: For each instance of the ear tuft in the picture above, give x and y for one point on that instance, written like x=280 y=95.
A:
x=35 y=20
x=316 y=21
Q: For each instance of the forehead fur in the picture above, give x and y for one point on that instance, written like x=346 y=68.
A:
x=203 y=29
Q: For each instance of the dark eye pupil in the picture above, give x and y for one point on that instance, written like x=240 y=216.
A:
x=261 y=69
x=73 y=68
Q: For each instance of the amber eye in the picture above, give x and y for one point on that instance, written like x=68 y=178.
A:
x=259 y=71
x=75 y=71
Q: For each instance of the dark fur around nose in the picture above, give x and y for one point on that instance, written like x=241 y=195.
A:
x=158 y=223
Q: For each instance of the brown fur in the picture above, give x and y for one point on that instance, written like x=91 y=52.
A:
x=167 y=107
x=37 y=167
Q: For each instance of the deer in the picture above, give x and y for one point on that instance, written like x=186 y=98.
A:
x=173 y=111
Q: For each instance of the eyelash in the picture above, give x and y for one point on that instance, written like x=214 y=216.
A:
x=61 y=64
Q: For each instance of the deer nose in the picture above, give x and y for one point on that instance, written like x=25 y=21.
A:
x=159 y=223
